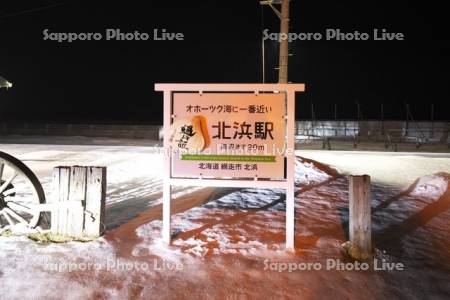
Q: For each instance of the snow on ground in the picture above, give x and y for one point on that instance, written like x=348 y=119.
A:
x=224 y=238
x=306 y=173
x=430 y=186
x=388 y=168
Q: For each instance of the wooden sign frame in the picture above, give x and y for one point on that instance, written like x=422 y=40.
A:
x=288 y=183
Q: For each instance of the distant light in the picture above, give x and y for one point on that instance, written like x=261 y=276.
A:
x=5 y=83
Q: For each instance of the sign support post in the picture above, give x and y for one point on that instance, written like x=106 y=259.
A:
x=166 y=176
x=290 y=197
x=240 y=90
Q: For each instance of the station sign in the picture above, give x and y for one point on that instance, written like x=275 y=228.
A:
x=228 y=135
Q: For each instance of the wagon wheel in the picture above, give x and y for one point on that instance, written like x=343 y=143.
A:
x=20 y=192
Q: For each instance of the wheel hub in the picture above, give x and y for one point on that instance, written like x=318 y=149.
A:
x=2 y=202
x=2 y=197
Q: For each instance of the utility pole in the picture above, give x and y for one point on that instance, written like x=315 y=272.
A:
x=263 y=47
x=284 y=45
x=284 y=33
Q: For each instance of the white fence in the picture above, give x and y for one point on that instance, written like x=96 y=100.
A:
x=398 y=131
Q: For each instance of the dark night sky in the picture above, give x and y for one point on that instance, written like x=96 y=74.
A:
x=113 y=80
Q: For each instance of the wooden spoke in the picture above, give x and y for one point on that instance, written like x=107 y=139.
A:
x=2 y=166
x=20 y=192
x=9 y=192
x=8 y=182
x=19 y=207
x=7 y=217
x=16 y=216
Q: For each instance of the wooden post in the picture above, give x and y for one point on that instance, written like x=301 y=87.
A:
x=360 y=246
x=82 y=189
x=94 y=223
x=77 y=195
x=284 y=44
x=61 y=177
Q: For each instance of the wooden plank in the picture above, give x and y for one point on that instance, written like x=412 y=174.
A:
x=61 y=180
x=94 y=222
x=55 y=199
x=77 y=192
x=360 y=217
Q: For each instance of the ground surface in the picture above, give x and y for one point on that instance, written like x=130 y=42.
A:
x=227 y=240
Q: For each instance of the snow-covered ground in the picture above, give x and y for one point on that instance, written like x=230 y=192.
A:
x=391 y=168
x=225 y=239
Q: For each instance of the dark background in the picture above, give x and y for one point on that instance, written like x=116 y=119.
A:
x=112 y=81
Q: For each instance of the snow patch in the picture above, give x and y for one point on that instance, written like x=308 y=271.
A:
x=307 y=173
x=430 y=187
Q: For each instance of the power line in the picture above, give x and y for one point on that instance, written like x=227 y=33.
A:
x=32 y=10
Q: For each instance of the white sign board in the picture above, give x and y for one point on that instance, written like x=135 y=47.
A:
x=244 y=135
